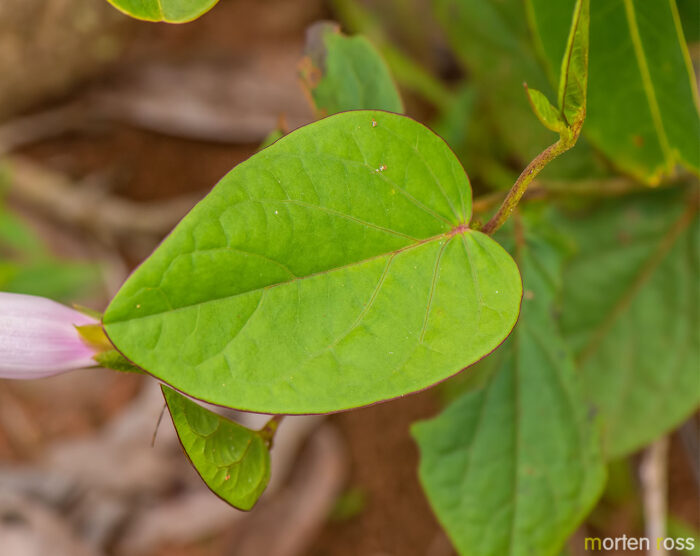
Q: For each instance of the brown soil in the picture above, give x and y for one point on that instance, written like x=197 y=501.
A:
x=396 y=519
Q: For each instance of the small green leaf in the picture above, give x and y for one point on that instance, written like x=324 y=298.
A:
x=630 y=312
x=513 y=468
x=346 y=73
x=170 y=11
x=545 y=112
x=332 y=270
x=233 y=461
x=573 y=78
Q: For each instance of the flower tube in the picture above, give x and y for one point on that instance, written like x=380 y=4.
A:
x=38 y=337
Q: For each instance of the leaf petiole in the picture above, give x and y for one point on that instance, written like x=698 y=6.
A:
x=524 y=179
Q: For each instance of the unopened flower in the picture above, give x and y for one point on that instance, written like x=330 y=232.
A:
x=39 y=338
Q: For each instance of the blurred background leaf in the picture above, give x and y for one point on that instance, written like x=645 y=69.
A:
x=346 y=73
x=26 y=266
x=630 y=312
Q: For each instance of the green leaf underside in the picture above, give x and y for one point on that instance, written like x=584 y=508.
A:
x=630 y=312
x=514 y=467
x=171 y=11
x=331 y=270
x=353 y=74
x=574 y=66
x=642 y=98
x=232 y=460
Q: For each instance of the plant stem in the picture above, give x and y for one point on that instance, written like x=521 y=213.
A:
x=524 y=179
x=270 y=428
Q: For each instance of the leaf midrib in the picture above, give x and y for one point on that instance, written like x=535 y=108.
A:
x=461 y=230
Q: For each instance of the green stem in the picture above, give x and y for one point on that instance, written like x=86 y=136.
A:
x=268 y=431
x=524 y=179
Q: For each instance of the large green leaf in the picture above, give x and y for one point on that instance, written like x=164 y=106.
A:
x=642 y=96
x=630 y=312
x=514 y=467
x=171 y=11
x=232 y=460
x=331 y=270
x=346 y=73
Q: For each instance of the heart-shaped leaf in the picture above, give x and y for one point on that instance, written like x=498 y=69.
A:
x=232 y=460
x=332 y=270
x=171 y=11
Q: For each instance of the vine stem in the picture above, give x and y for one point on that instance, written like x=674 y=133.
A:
x=544 y=189
x=520 y=186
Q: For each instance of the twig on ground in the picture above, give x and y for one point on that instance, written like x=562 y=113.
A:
x=26 y=130
x=690 y=438
x=55 y=194
x=653 y=474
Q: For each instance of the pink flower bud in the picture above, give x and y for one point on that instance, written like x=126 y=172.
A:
x=38 y=337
